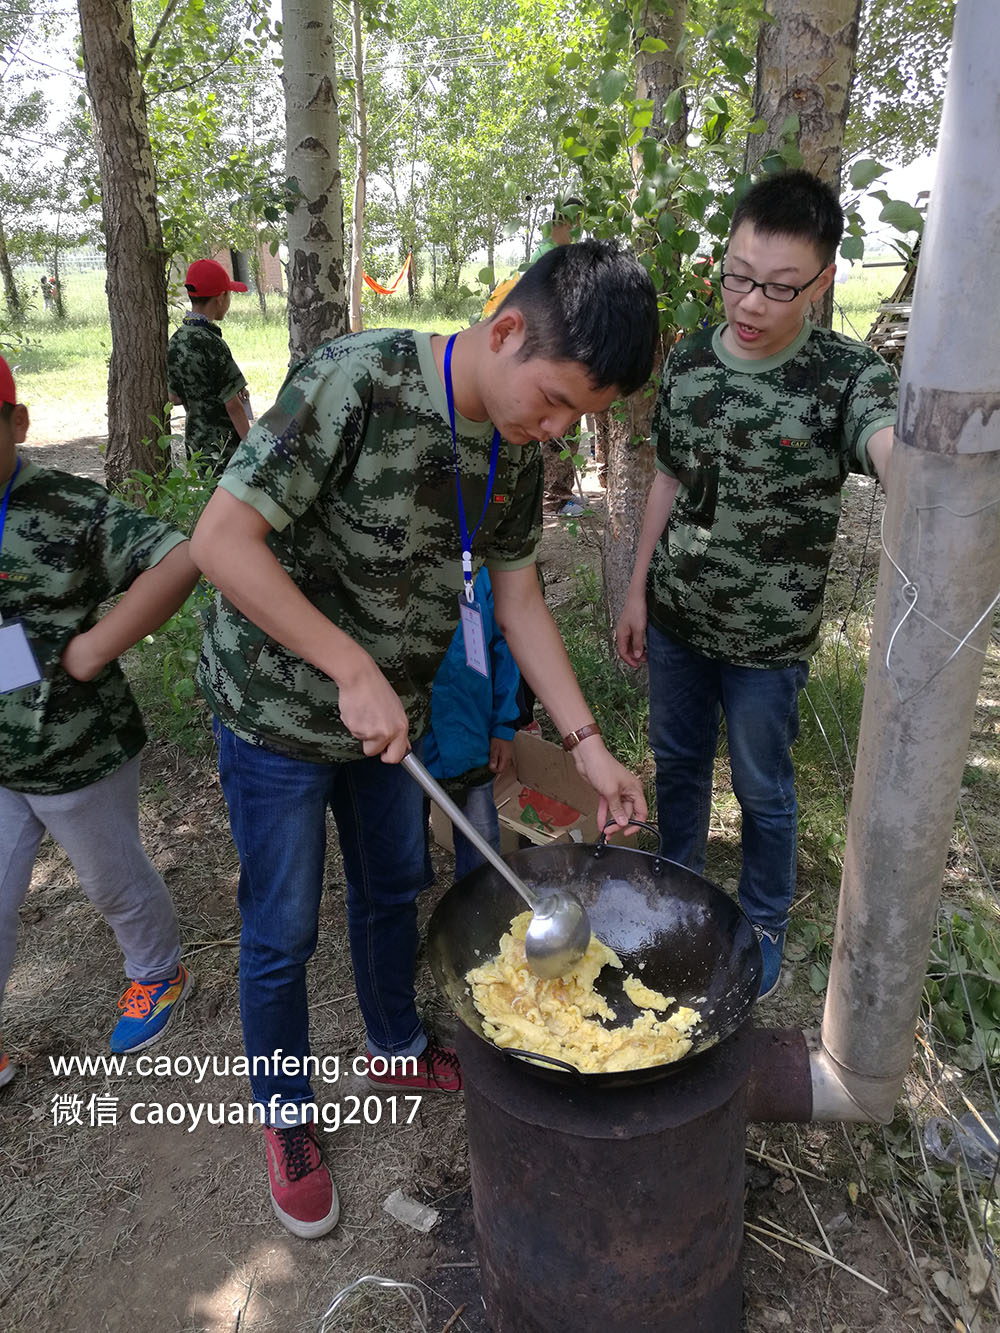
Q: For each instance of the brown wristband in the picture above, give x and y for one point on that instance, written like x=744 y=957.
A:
x=574 y=738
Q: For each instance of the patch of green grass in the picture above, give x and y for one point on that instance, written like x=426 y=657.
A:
x=856 y=299
x=61 y=366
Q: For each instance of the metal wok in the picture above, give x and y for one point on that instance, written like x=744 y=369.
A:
x=674 y=930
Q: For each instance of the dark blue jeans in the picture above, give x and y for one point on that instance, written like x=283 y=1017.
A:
x=277 y=812
x=688 y=694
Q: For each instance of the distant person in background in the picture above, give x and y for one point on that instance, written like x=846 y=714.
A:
x=46 y=293
x=202 y=376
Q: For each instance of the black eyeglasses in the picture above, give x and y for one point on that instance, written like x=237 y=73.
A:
x=774 y=291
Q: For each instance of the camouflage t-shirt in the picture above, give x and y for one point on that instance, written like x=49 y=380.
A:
x=201 y=372
x=761 y=450
x=67 y=547
x=354 y=471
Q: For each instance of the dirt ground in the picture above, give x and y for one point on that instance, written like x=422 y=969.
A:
x=109 y=1221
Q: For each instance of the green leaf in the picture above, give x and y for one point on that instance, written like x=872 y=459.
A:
x=736 y=61
x=651 y=45
x=666 y=224
x=817 y=978
x=650 y=150
x=611 y=85
x=673 y=107
x=902 y=215
x=853 y=247
x=790 y=125
x=689 y=314
x=865 y=171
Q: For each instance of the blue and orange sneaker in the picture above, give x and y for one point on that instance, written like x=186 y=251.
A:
x=148 y=1008
x=6 y=1069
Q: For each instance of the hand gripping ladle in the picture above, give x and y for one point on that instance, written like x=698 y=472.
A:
x=559 y=931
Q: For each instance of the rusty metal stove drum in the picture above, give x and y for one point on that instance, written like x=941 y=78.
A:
x=610 y=1203
x=609 y=1210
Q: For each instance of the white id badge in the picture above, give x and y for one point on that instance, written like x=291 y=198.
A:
x=18 y=667
x=475 y=639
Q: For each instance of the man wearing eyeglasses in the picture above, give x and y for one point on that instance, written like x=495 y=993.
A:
x=758 y=423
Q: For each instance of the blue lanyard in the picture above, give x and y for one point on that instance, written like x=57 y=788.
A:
x=463 y=526
x=6 y=499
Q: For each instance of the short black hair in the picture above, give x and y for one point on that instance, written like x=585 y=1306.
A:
x=197 y=301
x=6 y=411
x=794 y=203
x=592 y=302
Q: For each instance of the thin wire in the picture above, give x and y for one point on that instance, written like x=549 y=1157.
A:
x=386 y=1283
x=911 y=591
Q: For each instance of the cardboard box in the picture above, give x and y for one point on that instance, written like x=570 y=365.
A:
x=543 y=800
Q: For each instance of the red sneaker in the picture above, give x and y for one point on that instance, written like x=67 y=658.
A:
x=303 y=1195
x=436 y=1069
x=6 y=1070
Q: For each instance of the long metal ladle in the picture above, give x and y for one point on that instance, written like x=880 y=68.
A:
x=560 y=929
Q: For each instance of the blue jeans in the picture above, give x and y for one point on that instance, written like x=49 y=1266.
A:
x=688 y=694
x=481 y=812
x=277 y=812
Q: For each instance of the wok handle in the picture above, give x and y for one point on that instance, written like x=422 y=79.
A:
x=545 y=1059
x=441 y=798
x=635 y=823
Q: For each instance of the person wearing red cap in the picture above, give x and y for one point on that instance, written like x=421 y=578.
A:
x=202 y=376
x=70 y=730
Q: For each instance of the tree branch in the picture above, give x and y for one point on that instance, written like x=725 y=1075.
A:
x=165 y=18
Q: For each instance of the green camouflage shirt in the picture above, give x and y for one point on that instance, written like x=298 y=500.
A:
x=201 y=372
x=354 y=471
x=67 y=547
x=761 y=450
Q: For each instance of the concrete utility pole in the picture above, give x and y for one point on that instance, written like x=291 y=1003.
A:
x=937 y=591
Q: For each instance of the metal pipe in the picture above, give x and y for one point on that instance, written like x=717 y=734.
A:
x=939 y=573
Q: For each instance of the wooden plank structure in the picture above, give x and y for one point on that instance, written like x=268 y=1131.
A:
x=888 y=333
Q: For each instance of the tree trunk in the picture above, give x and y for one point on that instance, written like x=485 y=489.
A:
x=257 y=273
x=630 y=460
x=411 y=274
x=805 y=67
x=136 y=263
x=11 y=295
x=631 y=464
x=317 y=296
x=361 y=183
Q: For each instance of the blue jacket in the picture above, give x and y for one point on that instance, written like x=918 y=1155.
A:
x=467 y=709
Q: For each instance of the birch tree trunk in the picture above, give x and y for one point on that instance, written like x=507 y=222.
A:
x=361 y=183
x=629 y=454
x=136 y=263
x=11 y=295
x=805 y=67
x=317 y=295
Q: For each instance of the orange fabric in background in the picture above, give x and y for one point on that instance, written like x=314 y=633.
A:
x=388 y=291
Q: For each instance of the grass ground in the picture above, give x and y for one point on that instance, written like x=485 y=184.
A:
x=61 y=365
x=90 y=1233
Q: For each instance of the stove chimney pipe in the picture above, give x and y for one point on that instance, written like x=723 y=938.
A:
x=938 y=584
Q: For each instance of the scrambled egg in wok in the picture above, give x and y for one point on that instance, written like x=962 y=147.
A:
x=558 y=1017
